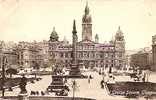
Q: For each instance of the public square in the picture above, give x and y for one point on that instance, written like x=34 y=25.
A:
x=84 y=89
x=92 y=48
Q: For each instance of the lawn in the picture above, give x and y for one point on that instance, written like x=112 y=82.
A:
x=12 y=82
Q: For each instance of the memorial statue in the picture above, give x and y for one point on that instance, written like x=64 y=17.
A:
x=23 y=84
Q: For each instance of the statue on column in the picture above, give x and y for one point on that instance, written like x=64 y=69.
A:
x=23 y=84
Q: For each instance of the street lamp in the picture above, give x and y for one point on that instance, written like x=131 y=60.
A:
x=74 y=88
x=4 y=62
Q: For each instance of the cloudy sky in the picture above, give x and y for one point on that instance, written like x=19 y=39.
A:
x=28 y=20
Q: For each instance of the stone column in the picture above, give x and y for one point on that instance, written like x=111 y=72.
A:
x=74 y=71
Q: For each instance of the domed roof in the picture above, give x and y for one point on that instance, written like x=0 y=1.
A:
x=119 y=35
x=54 y=36
x=119 y=32
x=54 y=32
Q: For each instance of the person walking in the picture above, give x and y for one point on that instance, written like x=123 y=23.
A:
x=102 y=84
x=89 y=79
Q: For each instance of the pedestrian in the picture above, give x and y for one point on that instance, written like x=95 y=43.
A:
x=144 y=76
x=88 y=79
x=90 y=76
x=65 y=80
x=42 y=93
x=33 y=93
x=37 y=93
x=100 y=72
x=66 y=88
x=102 y=84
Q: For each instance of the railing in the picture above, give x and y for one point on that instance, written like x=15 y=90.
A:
x=47 y=98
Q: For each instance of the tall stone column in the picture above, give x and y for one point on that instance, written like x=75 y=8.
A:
x=75 y=71
x=75 y=38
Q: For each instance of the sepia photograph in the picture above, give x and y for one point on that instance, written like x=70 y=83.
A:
x=77 y=49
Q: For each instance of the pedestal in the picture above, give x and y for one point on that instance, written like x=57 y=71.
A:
x=23 y=96
x=74 y=70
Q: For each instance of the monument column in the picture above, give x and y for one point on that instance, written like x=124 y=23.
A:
x=74 y=71
x=75 y=38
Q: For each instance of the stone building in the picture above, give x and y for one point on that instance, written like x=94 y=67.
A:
x=44 y=50
x=29 y=54
x=154 y=53
x=89 y=53
x=8 y=50
x=142 y=59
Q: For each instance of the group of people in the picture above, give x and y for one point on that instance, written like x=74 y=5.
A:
x=139 y=76
x=37 y=93
x=63 y=92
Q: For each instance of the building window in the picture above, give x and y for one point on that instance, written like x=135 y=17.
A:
x=71 y=55
x=66 y=55
x=61 y=54
x=101 y=56
x=120 y=54
x=112 y=61
x=106 y=66
x=88 y=54
x=106 y=55
x=79 y=55
x=97 y=56
x=85 y=55
x=80 y=47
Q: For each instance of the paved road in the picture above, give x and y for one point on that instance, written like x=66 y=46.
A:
x=93 y=89
x=85 y=89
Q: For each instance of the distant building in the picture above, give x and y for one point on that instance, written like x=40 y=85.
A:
x=154 y=52
x=142 y=59
x=44 y=46
x=89 y=53
x=29 y=54
x=24 y=54
x=9 y=51
x=128 y=56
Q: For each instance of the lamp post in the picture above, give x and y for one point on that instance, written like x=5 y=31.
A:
x=4 y=62
x=74 y=88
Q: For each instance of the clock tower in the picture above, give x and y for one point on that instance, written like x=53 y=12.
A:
x=86 y=25
x=120 y=49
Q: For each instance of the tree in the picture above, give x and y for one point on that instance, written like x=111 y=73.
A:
x=11 y=71
x=36 y=65
x=45 y=65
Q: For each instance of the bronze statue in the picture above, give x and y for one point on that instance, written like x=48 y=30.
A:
x=23 y=84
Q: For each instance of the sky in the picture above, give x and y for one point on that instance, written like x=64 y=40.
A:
x=28 y=20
